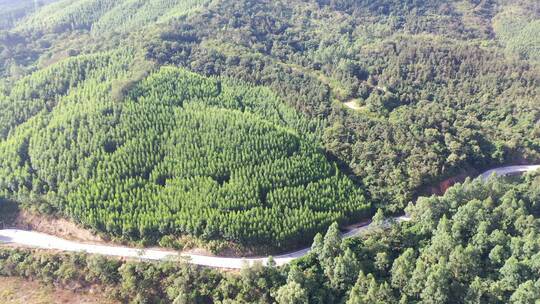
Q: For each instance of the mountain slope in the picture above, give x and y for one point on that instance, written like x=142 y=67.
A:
x=178 y=154
x=435 y=92
x=393 y=95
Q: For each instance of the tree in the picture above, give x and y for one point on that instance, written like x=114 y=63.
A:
x=526 y=293
x=295 y=275
x=103 y=269
x=474 y=292
x=317 y=246
x=418 y=279
x=382 y=261
x=366 y=290
x=360 y=289
x=291 y=293
x=183 y=298
x=378 y=218
x=437 y=285
x=402 y=269
x=344 y=272
x=271 y=262
x=331 y=247
x=513 y=273
x=464 y=263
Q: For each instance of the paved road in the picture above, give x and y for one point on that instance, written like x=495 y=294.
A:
x=45 y=241
x=509 y=170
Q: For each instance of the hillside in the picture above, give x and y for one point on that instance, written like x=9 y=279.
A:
x=476 y=244
x=227 y=120
x=178 y=154
x=12 y=11
x=436 y=88
x=253 y=126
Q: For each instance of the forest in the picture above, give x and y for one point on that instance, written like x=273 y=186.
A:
x=90 y=130
x=178 y=154
x=431 y=101
x=476 y=244
x=264 y=124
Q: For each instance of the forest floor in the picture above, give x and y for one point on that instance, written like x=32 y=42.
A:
x=17 y=290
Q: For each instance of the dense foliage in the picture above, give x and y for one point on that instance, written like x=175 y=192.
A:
x=261 y=123
x=107 y=15
x=433 y=93
x=476 y=244
x=516 y=28
x=311 y=112
x=179 y=154
x=13 y=10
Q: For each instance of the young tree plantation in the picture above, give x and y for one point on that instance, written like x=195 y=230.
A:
x=268 y=126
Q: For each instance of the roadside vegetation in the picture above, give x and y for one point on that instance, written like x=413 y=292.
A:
x=476 y=244
x=21 y=291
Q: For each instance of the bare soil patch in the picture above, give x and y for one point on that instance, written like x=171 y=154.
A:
x=55 y=226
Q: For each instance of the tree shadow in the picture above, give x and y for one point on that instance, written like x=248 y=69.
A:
x=8 y=212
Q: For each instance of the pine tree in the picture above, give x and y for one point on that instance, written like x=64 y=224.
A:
x=291 y=293
x=317 y=246
x=402 y=269
x=344 y=273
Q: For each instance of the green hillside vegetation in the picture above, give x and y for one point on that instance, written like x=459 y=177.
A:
x=476 y=244
x=13 y=10
x=439 y=92
x=67 y=15
x=68 y=28
x=41 y=91
x=134 y=14
x=107 y=15
x=517 y=29
x=181 y=154
x=227 y=122
x=438 y=95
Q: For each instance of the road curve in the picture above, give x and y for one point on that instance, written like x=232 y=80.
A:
x=45 y=241
x=509 y=170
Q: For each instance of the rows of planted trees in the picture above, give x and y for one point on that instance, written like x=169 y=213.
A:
x=431 y=101
x=106 y=15
x=173 y=154
x=437 y=90
x=476 y=244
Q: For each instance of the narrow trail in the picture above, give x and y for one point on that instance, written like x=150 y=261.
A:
x=45 y=241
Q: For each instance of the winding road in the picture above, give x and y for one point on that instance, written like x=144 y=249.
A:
x=45 y=241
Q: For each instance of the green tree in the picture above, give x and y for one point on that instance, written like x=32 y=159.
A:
x=378 y=218
x=402 y=269
x=360 y=289
x=526 y=293
x=291 y=293
x=331 y=247
x=475 y=292
x=437 y=286
x=317 y=246
x=344 y=272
